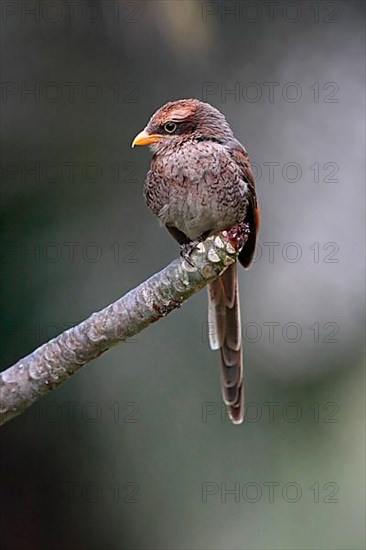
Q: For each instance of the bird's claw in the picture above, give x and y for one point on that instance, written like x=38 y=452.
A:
x=238 y=235
x=187 y=249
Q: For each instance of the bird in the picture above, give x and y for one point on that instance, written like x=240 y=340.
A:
x=200 y=183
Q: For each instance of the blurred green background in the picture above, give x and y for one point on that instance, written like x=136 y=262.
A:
x=135 y=451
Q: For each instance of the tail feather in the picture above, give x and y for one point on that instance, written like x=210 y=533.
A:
x=225 y=335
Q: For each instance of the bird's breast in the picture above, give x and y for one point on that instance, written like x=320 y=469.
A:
x=195 y=189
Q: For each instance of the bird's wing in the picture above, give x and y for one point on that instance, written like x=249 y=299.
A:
x=252 y=218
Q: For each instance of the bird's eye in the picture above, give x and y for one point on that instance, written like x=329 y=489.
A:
x=170 y=127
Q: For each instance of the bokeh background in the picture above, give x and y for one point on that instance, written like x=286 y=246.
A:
x=135 y=451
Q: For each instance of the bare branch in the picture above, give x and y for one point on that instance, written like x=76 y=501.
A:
x=51 y=364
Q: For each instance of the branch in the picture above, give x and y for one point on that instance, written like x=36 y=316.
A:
x=54 y=362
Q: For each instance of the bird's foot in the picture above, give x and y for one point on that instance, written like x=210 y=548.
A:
x=238 y=235
x=186 y=250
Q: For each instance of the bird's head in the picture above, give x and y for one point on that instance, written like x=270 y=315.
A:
x=180 y=120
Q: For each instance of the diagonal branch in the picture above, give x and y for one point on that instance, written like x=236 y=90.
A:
x=54 y=362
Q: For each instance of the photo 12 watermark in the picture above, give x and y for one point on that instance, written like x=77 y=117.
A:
x=69 y=172
x=271 y=92
x=73 y=492
x=68 y=93
x=272 y=332
x=293 y=252
x=34 y=334
x=68 y=252
x=270 y=11
x=70 y=11
x=272 y=412
x=83 y=412
x=294 y=172
x=253 y=492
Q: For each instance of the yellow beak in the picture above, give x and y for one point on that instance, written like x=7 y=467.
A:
x=144 y=138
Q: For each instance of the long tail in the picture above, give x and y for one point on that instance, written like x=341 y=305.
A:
x=225 y=334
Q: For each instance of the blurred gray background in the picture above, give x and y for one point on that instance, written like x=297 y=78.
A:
x=135 y=451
